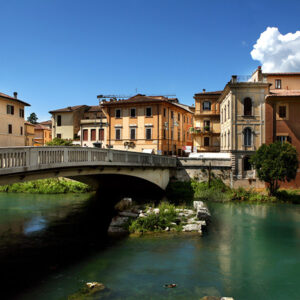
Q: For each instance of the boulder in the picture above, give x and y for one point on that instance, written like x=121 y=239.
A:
x=198 y=204
x=203 y=214
x=118 y=221
x=128 y=214
x=192 y=227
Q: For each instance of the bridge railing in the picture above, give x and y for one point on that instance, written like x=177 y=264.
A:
x=32 y=158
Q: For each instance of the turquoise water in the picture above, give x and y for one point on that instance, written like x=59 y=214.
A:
x=248 y=252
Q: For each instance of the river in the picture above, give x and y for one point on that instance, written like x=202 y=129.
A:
x=248 y=252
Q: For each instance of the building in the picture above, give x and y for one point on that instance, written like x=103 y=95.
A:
x=93 y=128
x=66 y=121
x=12 y=128
x=29 y=134
x=242 y=119
x=47 y=123
x=283 y=113
x=149 y=124
x=206 y=129
x=42 y=135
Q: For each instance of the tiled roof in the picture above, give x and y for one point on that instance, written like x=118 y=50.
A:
x=284 y=93
x=209 y=93
x=283 y=74
x=94 y=108
x=68 y=109
x=49 y=122
x=13 y=98
x=28 y=123
x=41 y=127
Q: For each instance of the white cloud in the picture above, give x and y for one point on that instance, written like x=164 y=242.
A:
x=277 y=52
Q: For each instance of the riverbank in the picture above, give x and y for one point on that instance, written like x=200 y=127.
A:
x=47 y=186
x=217 y=191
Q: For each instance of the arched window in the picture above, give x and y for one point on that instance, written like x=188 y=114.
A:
x=246 y=163
x=228 y=111
x=247 y=107
x=247 y=137
x=228 y=139
x=206 y=105
x=225 y=113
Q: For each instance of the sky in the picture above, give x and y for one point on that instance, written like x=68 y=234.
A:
x=58 y=53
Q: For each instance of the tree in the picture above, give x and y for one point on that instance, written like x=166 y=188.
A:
x=59 y=142
x=32 y=118
x=274 y=163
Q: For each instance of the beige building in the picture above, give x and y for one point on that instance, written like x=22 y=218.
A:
x=206 y=129
x=242 y=118
x=66 y=121
x=42 y=135
x=29 y=134
x=12 y=128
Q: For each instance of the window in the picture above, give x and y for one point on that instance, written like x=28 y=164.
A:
x=59 y=120
x=206 y=105
x=101 y=134
x=132 y=112
x=277 y=83
x=207 y=125
x=183 y=136
x=228 y=115
x=172 y=114
x=282 y=111
x=247 y=107
x=178 y=135
x=85 y=134
x=132 y=133
x=165 y=134
x=172 y=134
x=225 y=114
x=118 y=134
x=228 y=142
x=206 y=141
x=118 y=113
x=21 y=113
x=148 y=133
x=9 y=128
x=178 y=117
x=165 y=112
x=284 y=139
x=93 y=134
x=246 y=163
x=247 y=137
x=149 y=112
x=21 y=130
x=58 y=135
x=10 y=109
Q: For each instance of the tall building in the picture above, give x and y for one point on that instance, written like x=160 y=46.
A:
x=206 y=129
x=148 y=123
x=12 y=128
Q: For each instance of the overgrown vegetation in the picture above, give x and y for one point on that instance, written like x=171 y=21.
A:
x=167 y=217
x=47 y=186
x=60 y=142
x=274 y=163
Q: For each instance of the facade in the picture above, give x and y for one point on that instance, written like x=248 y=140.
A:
x=66 y=121
x=29 y=134
x=206 y=129
x=242 y=119
x=283 y=113
x=12 y=128
x=93 y=128
x=42 y=135
x=148 y=124
x=47 y=123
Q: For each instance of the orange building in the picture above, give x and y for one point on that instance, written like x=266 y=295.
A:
x=42 y=135
x=282 y=113
x=206 y=129
x=148 y=124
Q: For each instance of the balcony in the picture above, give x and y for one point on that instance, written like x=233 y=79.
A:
x=213 y=112
x=206 y=130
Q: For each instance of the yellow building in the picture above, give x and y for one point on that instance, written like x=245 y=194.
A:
x=206 y=129
x=42 y=135
x=148 y=124
x=29 y=134
x=12 y=131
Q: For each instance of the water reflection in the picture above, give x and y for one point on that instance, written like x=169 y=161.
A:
x=35 y=224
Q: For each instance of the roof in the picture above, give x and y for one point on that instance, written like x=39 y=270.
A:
x=28 y=123
x=14 y=99
x=48 y=122
x=283 y=74
x=284 y=93
x=209 y=93
x=41 y=127
x=68 y=109
x=139 y=98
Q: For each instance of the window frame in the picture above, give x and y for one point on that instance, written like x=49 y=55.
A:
x=205 y=143
x=93 y=132
x=204 y=104
x=85 y=139
x=132 y=129
x=118 y=137
x=146 y=112
x=10 y=129
x=120 y=113
x=278 y=84
x=58 y=121
x=148 y=129
x=131 y=110
x=10 y=109
x=247 y=107
x=247 y=138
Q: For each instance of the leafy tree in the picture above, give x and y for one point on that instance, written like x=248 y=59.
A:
x=32 y=118
x=274 y=163
x=59 y=142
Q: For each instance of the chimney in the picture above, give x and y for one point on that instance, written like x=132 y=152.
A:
x=233 y=78
x=16 y=95
x=204 y=90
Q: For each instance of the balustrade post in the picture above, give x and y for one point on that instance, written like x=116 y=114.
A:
x=89 y=158
x=66 y=155
x=33 y=157
x=27 y=157
x=109 y=157
x=151 y=159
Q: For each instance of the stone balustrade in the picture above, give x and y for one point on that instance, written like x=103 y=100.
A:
x=21 y=159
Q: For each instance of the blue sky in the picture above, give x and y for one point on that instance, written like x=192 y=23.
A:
x=59 y=53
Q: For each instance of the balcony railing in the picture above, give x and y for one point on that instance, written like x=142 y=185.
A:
x=198 y=130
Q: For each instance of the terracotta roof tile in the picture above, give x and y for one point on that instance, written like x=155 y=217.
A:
x=41 y=127
x=13 y=98
x=68 y=109
x=284 y=93
x=209 y=93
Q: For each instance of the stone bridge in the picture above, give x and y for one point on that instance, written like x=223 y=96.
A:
x=90 y=165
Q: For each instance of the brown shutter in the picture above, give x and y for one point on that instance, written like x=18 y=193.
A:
x=101 y=134
x=93 y=134
x=85 y=134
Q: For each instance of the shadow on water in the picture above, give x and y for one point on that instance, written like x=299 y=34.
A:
x=43 y=247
